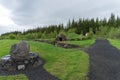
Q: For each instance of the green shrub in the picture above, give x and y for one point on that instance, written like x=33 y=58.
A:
x=12 y=36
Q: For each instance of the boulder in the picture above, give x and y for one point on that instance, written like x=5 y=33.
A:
x=20 y=51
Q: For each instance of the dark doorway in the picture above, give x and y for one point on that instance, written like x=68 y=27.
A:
x=60 y=39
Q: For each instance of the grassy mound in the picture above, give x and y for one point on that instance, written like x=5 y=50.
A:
x=115 y=42
x=82 y=43
x=66 y=64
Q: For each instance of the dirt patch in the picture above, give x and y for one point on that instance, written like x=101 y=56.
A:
x=104 y=61
x=66 y=45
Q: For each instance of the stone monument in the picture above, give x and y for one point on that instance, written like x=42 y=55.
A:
x=20 y=58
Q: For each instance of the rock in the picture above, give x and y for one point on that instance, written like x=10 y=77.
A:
x=21 y=67
x=11 y=68
x=20 y=51
x=37 y=63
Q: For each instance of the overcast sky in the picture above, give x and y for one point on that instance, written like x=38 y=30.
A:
x=25 y=14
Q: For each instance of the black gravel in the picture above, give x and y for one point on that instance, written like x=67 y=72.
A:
x=104 y=61
x=38 y=73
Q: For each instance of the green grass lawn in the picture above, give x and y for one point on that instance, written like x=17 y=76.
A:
x=72 y=35
x=66 y=64
x=14 y=77
x=82 y=43
x=115 y=42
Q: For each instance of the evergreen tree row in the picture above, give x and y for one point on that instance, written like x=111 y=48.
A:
x=82 y=26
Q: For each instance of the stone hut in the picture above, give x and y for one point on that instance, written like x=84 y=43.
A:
x=61 y=37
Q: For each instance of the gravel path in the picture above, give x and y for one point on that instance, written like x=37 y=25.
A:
x=38 y=73
x=104 y=61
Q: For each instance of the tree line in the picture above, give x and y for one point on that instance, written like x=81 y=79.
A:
x=81 y=26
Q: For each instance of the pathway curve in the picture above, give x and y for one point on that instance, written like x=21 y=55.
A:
x=104 y=61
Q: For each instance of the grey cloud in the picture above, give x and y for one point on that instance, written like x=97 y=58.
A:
x=4 y=29
x=41 y=12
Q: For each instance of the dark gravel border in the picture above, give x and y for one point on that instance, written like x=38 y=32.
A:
x=104 y=61
x=38 y=73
